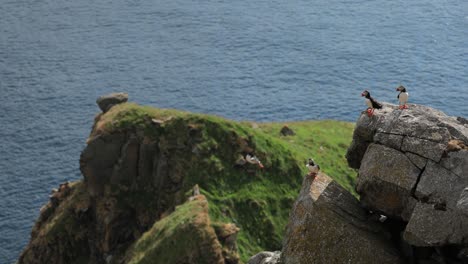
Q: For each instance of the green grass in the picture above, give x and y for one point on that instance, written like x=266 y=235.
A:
x=180 y=236
x=258 y=201
x=326 y=141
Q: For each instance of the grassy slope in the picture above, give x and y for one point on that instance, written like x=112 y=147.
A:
x=184 y=234
x=326 y=141
x=259 y=204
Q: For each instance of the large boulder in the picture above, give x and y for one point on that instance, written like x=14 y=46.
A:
x=413 y=167
x=105 y=102
x=420 y=130
x=327 y=225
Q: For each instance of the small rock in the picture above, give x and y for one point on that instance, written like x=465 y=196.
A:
x=265 y=257
x=286 y=131
x=382 y=218
x=105 y=102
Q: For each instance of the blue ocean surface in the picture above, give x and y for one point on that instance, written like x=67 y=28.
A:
x=264 y=60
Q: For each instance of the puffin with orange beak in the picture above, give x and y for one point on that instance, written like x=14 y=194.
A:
x=254 y=160
x=402 y=97
x=371 y=103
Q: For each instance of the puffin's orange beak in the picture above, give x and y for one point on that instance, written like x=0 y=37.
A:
x=363 y=94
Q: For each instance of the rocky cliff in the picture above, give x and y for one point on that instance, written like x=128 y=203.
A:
x=413 y=167
x=135 y=203
x=412 y=180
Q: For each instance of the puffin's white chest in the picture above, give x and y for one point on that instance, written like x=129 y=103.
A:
x=369 y=103
x=312 y=169
x=403 y=97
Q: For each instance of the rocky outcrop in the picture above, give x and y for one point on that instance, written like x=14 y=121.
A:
x=327 y=225
x=51 y=243
x=139 y=165
x=413 y=167
x=132 y=179
x=105 y=102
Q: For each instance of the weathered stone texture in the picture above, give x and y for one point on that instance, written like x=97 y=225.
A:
x=327 y=225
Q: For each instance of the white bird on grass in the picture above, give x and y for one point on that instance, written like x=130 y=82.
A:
x=253 y=160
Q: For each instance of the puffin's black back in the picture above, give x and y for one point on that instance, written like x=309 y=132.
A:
x=375 y=104
x=402 y=91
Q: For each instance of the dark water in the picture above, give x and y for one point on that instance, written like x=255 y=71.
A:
x=256 y=60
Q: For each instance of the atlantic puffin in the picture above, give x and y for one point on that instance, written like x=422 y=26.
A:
x=402 y=97
x=313 y=167
x=371 y=103
x=253 y=160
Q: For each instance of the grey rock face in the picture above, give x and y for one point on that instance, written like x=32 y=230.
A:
x=411 y=169
x=327 y=225
x=418 y=161
x=266 y=257
x=386 y=179
x=105 y=102
x=98 y=159
x=440 y=186
x=431 y=227
x=462 y=204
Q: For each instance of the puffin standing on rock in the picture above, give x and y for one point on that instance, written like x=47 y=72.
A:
x=402 y=97
x=371 y=103
x=313 y=167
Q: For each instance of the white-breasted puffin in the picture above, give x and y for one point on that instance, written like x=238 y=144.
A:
x=253 y=160
x=402 y=97
x=371 y=103
x=313 y=167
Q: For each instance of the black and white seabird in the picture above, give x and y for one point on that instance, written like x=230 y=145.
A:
x=253 y=160
x=313 y=167
x=402 y=97
x=371 y=103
